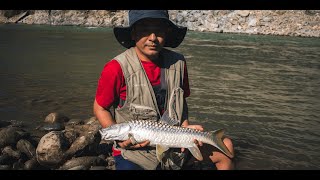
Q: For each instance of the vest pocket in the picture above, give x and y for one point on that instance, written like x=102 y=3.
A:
x=140 y=112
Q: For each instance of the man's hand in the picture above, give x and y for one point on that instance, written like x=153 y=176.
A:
x=127 y=144
x=198 y=127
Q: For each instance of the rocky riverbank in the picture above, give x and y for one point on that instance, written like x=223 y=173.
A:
x=305 y=23
x=59 y=143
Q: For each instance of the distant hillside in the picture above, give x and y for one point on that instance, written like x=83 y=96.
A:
x=304 y=23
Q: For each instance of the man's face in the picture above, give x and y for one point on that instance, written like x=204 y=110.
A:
x=149 y=35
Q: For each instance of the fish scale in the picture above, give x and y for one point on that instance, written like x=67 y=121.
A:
x=165 y=136
x=174 y=136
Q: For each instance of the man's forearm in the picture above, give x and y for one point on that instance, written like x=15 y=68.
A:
x=104 y=116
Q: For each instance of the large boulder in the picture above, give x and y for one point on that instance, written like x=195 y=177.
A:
x=51 y=149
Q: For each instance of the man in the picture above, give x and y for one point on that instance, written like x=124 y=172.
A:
x=145 y=81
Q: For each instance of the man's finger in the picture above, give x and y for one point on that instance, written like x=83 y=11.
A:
x=145 y=143
x=140 y=145
x=137 y=146
x=125 y=144
x=198 y=127
x=198 y=143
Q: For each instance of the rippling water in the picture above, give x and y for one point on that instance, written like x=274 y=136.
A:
x=265 y=90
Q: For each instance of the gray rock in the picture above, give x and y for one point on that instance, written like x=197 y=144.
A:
x=27 y=148
x=86 y=161
x=31 y=164
x=86 y=144
x=18 y=165
x=252 y=22
x=56 y=118
x=80 y=167
x=13 y=153
x=98 y=168
x=51 y=149
x=11 y=13
x=73 y=122
x=5 y=167
x=244 y=13
x=56 y=126
x=9 y=136
x=6 y=159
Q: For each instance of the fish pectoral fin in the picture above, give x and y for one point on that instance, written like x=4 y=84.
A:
x=195 y=151
x=133 y=140
x=160 y=151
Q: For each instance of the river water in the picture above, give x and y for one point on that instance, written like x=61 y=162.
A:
x=264 y=90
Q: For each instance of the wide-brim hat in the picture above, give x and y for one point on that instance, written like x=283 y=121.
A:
x=173 y=38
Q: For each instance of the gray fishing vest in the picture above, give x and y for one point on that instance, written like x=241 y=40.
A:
x=141 y=102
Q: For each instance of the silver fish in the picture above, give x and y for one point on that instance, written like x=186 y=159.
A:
x=165 y=136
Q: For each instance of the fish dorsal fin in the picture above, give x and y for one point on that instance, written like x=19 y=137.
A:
x=165 y=118
x=195 y=151
x=160 y=149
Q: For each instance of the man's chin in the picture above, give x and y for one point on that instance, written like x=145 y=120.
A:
x=153 y=52
x=153 y=55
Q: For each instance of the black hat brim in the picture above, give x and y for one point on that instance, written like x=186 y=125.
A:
x=173 y=39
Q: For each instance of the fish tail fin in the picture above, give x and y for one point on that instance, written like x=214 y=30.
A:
x=217 y=138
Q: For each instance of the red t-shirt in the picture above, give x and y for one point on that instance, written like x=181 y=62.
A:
x=111 y=84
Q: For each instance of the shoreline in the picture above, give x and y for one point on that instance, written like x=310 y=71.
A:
x=301 y=23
